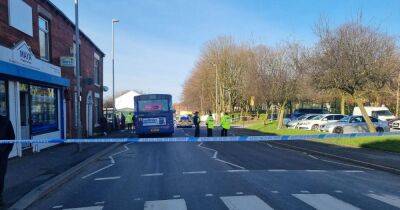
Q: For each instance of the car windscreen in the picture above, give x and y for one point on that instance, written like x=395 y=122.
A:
x=381 y=113
x=318 y=117
x=309 y=117
x=155 y=105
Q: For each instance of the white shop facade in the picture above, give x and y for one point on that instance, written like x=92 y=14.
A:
x=31 y=96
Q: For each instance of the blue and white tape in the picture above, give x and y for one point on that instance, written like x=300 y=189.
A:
x=201 y=139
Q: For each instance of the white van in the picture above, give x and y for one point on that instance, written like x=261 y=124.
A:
x=382 y=113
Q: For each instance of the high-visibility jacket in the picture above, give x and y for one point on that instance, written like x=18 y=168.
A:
x=210 y=122
x=129 y=119
x=226 y=122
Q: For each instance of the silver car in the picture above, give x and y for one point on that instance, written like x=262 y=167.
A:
x=355 y=124
x=294 y=123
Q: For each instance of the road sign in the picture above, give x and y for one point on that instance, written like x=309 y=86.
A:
x=67 y=61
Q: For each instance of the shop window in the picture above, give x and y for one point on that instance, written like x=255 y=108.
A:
x=44 y=113
x=3 y=98
x=44 y=39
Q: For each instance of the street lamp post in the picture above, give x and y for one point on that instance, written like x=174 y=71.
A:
x=78 y=70
x=114 y=21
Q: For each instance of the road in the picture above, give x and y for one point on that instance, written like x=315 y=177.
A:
x=240 y=176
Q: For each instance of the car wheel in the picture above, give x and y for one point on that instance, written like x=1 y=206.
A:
x=380 y=130
x=314 y=127
x=338 y=130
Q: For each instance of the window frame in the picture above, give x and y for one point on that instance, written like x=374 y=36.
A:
x=46 y=31
x=96 y=69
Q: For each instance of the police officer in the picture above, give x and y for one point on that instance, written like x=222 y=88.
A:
x=226 y=121
x=6 y=133
x=129 y=121
x=210 y=125
x=196 y=122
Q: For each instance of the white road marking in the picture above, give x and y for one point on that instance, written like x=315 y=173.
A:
x=313 y=157
x=270 y=145
x=57 y=207
x=174 y=204
x=304 y=191
x=95 y=172
x=324 y=202
x=176 y=196
x=353 y=171
x=100 y=202
x=234 y=171
x=239 y=193
x=138 y=199
x=154 y=174
x=232 y=164
x=209 y=195
x=112 y=160
x=277 y=170
x=245 y=202
x=274 y=191
x=194 y=172
x=389 y=199
x=338 y=191
x=345 y=164
x=87 y=208
x=217 y=159
x=315 y=170
x=107 y=178
x=215 y=151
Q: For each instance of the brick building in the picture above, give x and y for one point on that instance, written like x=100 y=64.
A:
x=36 y=92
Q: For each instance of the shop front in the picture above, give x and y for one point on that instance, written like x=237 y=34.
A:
x=31 y=96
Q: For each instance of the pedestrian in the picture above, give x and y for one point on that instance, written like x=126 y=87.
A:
x=196 y=122
x=104 y=124
x=210 y=125
x=122 y=121
x=226 y=121
x=6 y=133
x=129 y=121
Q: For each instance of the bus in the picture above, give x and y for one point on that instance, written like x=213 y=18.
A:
x=154 y=114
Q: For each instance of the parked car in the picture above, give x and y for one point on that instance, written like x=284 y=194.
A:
x=382 y=113
x=185 y=122
x=319 y=120
x=300 y=112
x=294 y=123
x=355 y=124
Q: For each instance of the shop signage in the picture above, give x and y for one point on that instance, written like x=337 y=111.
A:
x=23 y=54
x=67 y=61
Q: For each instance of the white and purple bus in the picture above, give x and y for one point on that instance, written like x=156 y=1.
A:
x=154 y=114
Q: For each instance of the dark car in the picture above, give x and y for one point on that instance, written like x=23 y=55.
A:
x=300 y=112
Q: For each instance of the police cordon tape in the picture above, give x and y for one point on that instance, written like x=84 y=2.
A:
x=203 y=139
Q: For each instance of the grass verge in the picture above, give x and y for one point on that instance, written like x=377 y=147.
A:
x=271 y=129
x=384 y=143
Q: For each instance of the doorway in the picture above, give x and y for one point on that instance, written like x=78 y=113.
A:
x=24 y=107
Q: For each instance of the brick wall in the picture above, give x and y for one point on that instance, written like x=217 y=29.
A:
x=61 y=41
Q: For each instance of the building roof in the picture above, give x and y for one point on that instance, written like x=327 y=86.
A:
x=62 y=14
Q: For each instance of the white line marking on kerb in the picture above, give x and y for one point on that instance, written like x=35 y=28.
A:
x=153 y=174
x=245 y=202
x=174 y=204
x=389 y=199
x=194 y=172
x=324 y=202
x=107 y=178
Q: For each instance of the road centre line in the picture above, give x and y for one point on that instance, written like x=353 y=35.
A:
x=153 y=174
x=107 y=178
x=232 y=164
x=316 y=170
x=194 y=172
x=353 y=171
x=234 y=171
x=277 y=170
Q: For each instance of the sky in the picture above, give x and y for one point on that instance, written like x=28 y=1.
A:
x=158 y=42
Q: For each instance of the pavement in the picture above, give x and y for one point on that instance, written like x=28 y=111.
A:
x=33 y=169
x=222 y=175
